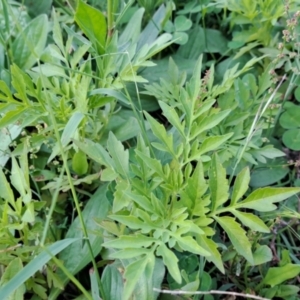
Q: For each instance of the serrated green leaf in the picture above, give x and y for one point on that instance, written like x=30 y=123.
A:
x=132 y=274
x=241 y=186
x=192 y=194
x=251 y=221
x=171 y=115
x=108 y=174
x=153 y=164
x=160 y=132
x=263 y=199
x=130 y=253
x=19 y=82
x=142 y=201
x=14 y=116
x=132 y=222
x=213 y=142
x=171 y=262
x=208 y=122
x=110 y=92
x=210 y=246
x=17 y=178
x=119 y=155
x=187 y=243
x=204 y=107
x=237 y=236
x=277 y=275
x=218 y=183
x=132 y=241
x=120 y=198
x=96 y=152
x=194 y=84
x=93 y=23
x=5 y=188
x=28 y=215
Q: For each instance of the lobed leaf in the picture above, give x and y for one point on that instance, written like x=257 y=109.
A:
x=262 y=199
x=119 y=155
x=96 y=152
x=237 y=236
x=160 y=132
x=132 y=241
x=213 y=142
x=241 y=186
x=218 y=183
x=172 y=117
x=208 y=122
x=251 y=221
x=171 y=262
x=210 y=246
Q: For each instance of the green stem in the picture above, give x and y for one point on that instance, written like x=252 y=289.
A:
x=72 y=278
x=73 y=191
x=110 y=20
x=52 y=207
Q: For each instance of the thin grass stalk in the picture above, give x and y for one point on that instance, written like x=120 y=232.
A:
x=70 y=276
x=252 y=130
x=51 y=210
x=73 y=191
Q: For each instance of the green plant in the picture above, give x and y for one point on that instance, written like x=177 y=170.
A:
x=160 y=180
x=62 y=97
x=171 y=194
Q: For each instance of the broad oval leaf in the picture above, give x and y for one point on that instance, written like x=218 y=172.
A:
x=93 y=23
x=278 y=275
x=262 y=254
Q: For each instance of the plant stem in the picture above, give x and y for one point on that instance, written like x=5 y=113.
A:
x=73 y=191
x=110 y=20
